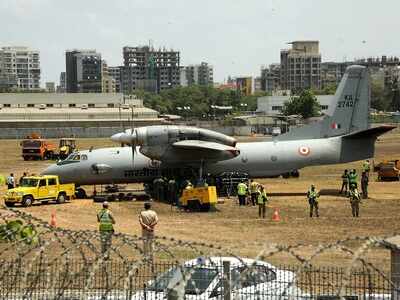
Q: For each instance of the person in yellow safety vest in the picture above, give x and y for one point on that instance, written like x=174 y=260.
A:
x=106 y=228
x=253 y=191
x=366 y=166
x=261 y=201
x=355 y=201
x=242 y=192
x=313 y=196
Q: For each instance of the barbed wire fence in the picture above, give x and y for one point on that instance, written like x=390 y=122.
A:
x=38 y=261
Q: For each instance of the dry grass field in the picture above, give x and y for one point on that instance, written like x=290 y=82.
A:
x=239 y=228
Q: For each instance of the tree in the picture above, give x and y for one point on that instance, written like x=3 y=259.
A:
x=306 y=105
x=378 y=97
x=200 y=99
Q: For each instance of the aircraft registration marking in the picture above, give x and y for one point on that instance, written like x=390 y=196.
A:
x=304 y=151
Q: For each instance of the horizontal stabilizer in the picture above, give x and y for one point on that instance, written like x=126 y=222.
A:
x=370 y=132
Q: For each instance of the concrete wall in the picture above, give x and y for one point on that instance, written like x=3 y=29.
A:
x=78 y=132
x=233 y=130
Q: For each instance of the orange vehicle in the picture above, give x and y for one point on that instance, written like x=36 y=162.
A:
x=36 y=148
x=389 y=170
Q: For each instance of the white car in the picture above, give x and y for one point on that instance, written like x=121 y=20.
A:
x=203 y=279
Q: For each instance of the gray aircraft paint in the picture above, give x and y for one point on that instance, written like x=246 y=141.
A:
x=342 y=136
x=258 y=159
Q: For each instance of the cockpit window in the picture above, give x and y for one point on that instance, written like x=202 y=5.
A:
x=72 y=158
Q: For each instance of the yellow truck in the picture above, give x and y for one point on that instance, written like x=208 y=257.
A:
x=39 y=188
x=199 y=198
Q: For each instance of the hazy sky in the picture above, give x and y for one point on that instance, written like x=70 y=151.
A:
x=237 y=37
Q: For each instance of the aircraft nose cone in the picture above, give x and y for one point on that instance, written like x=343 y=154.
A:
x=50 y=170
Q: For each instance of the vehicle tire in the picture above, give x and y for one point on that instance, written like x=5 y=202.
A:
x=111 y=198
x=285 y=175
x=99 y=199
x=27 y=201
x=48 y=155
x=80 y=193
x=9 y=204
x=26 y=158
x=205 y=207
x=295 y=174
x=194 y=205
x=61 y=198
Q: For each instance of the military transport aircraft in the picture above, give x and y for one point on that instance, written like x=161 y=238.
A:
x=343 y=135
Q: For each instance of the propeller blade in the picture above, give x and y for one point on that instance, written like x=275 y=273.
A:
x=133 y=155
x=133 y=145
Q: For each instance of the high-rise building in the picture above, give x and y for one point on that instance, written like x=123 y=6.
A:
x=108 y=82
x=201 y=74
x=83 y=71
x=20 y=68
x=301 y=66
x=148 y=69
x=62 y=88
x=271 y=78
x=257 y=84
x=183 y=77
x=332 y=73
x=115 y=72
x=389 y=65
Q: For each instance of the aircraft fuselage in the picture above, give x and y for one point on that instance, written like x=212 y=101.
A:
x=258 y=159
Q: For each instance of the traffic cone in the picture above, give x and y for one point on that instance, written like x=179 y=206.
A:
x=275 y=216
x=53 y=222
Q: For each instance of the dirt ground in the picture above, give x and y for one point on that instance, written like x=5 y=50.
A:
x=238 y=227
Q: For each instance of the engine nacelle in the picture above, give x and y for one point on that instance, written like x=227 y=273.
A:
x=169 y=134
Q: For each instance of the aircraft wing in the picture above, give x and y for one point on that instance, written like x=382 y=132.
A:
x=203 y=145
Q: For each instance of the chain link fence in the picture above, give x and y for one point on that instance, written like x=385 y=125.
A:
x=38 y=261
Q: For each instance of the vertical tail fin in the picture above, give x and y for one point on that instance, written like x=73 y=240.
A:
x=348 y=112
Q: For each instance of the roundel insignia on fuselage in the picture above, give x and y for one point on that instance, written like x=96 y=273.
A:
x=304 y=151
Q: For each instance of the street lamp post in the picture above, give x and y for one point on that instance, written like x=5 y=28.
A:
x=185 y=111
x=243 y=106
x=213 y=107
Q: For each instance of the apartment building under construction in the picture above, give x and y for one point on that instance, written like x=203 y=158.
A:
x=301 y=66
x=146 y=68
